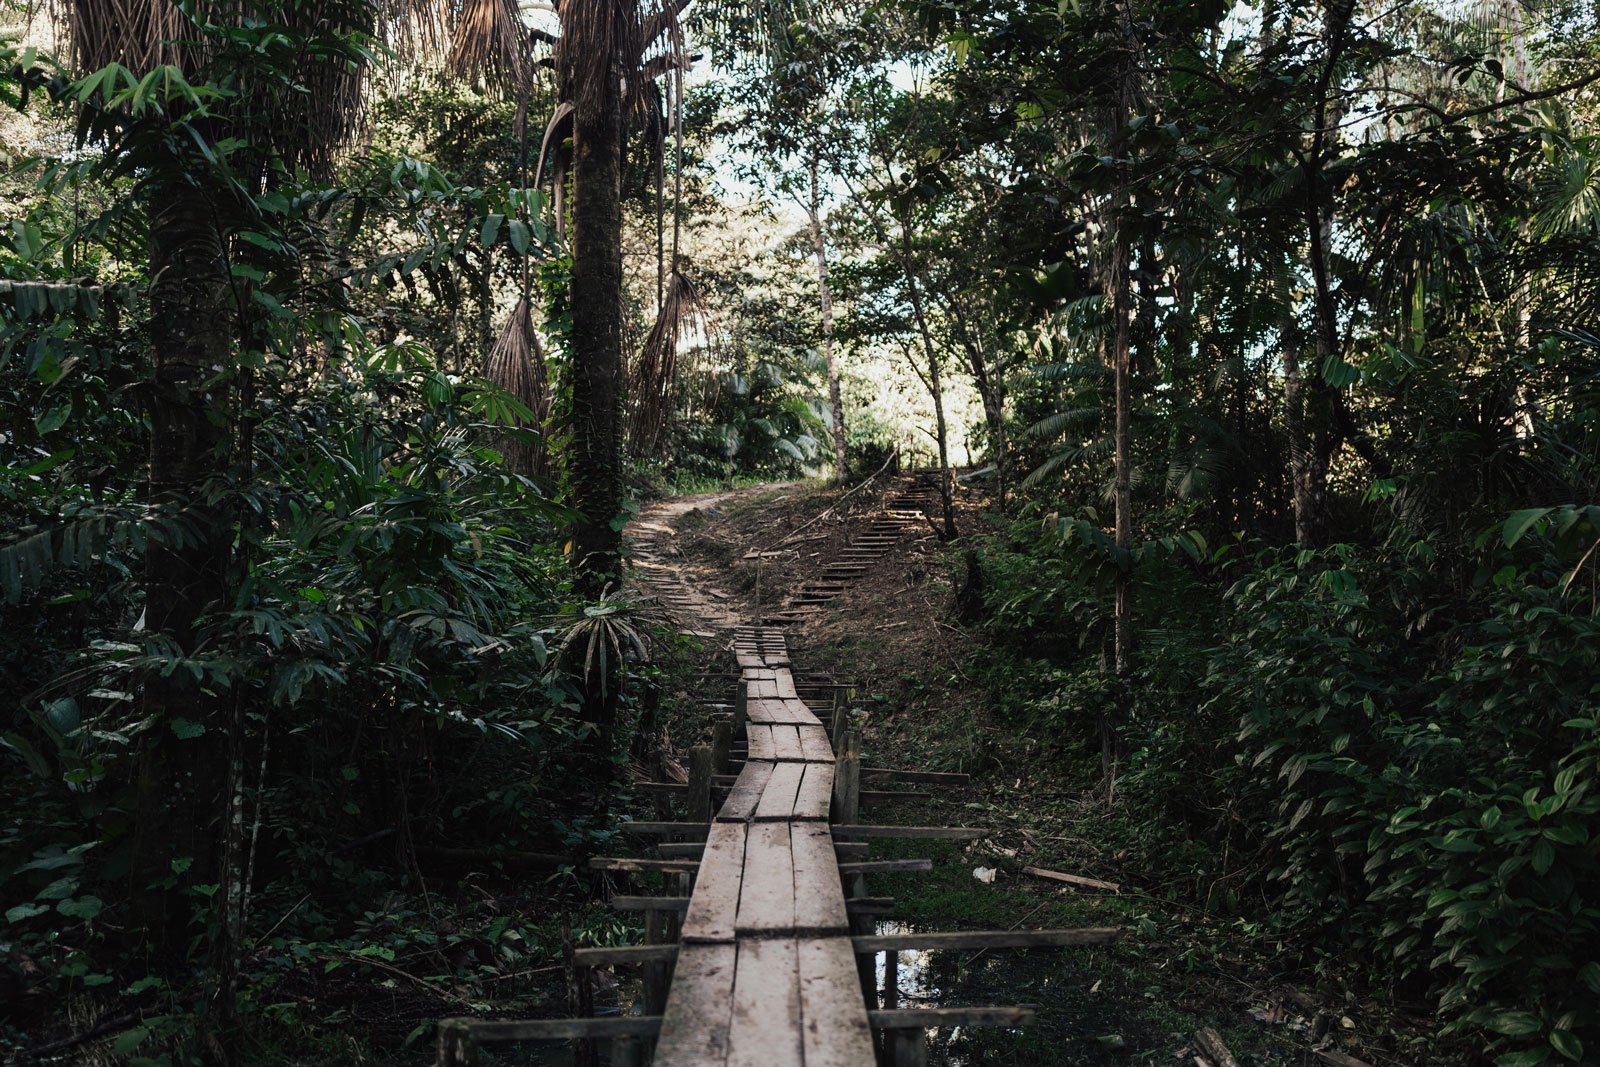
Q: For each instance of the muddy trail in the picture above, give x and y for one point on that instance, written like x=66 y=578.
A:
x=867 y=594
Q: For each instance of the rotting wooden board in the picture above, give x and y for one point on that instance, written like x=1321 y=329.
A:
x=746 y=794
x=814 y=744
x=777 y=800
x=766 y=897
x=714 y=905
x=695 y=1025
x=765 y=1027
x=833 y=1017
x=759 y=739
x=786 y=743
x=816 y=792
x=818 y=893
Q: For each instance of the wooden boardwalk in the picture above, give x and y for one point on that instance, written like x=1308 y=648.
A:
x=772 y=965
x=766 y=973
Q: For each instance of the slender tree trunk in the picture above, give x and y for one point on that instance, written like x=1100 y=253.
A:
x=1118 y=292
x=1294 y=407
x=935 y=383
x=597 y=327
x=819 y=247
x=179 y=792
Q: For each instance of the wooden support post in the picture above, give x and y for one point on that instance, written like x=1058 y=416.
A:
x=456 y=1046
x=580 y=998
x=847 y=780
x=891 y=979
x=700 y=783
x=906 y=1047
x=841 y=715
x=721 y=746
x=625 y=1052
x=741 y=707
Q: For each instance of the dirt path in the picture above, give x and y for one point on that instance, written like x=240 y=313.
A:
x=687 y=589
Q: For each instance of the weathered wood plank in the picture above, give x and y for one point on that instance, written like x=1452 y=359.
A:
x=695 y=1026
x=761 y=741
x=777 y=800
x=818 y=893
x=786 y=744
x=746 y=793
x=816 y=792
x=833 y=1017
x=885 y=866
x=814 y=743
x=765 y=1029
x=928 y=1018
x=928 y=940
x=766 y=898
x=714 y=907
x=936 y=833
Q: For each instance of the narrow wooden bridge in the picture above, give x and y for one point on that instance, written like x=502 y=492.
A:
x=774 y=961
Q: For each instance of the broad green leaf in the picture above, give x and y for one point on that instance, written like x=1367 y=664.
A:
x=1521 y=522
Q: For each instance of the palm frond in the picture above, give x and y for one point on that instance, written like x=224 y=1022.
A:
x=516 y=364
x=653 y=384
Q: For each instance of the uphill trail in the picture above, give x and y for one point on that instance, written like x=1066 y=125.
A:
x=763 y=945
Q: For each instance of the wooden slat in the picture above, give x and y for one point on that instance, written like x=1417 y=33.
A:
x=766 y=899
x=833 y=1017
x=714 y=907
x=786 y=744
x=760 y=741
x=818 y=895
x=937 y=833
x=923 y=941
x=814 y=743
x=928 y=1018
x=746 y=793
x=695 y=1025
x=777 y=800
x=765 y=1029
x=816 y=792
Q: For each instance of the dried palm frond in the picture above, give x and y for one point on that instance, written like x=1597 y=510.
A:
x=489 y=43
x=653 y=384
x=605 y=635
x=599 y=46
x=516 y=364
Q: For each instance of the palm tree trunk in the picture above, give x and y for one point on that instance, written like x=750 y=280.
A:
x=819 y=247
x=597 y=324
x=179 y=793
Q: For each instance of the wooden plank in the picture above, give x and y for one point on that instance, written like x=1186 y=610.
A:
x=715 y=903
x=765 y=1030
x=930 y=1018
x=818 y=893
x=814 y=743
x=696 y=830
x=786 y=688
x=622 y=955
x=1072 y=879
x=766 y=899
x=498 y=1030
x=934 y=777
x=929 y=940
x=885 y=866
x=642 y=866
x=760 y=741
x=833 y=1016
x=627 y=903
x=765 y=711
x=816 y=792
x=786 y=743
x=746 y=794
x=695 y=1024
x=935 y=833
x=777 y=800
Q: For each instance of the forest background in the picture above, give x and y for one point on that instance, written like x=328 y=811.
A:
x=1268 y=332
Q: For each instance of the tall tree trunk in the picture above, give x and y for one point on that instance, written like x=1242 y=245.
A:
x=1294 y=408
x=935 y=382
x=179 y=793
x=1118 y=292
x=597 y=324
x=819 y=247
